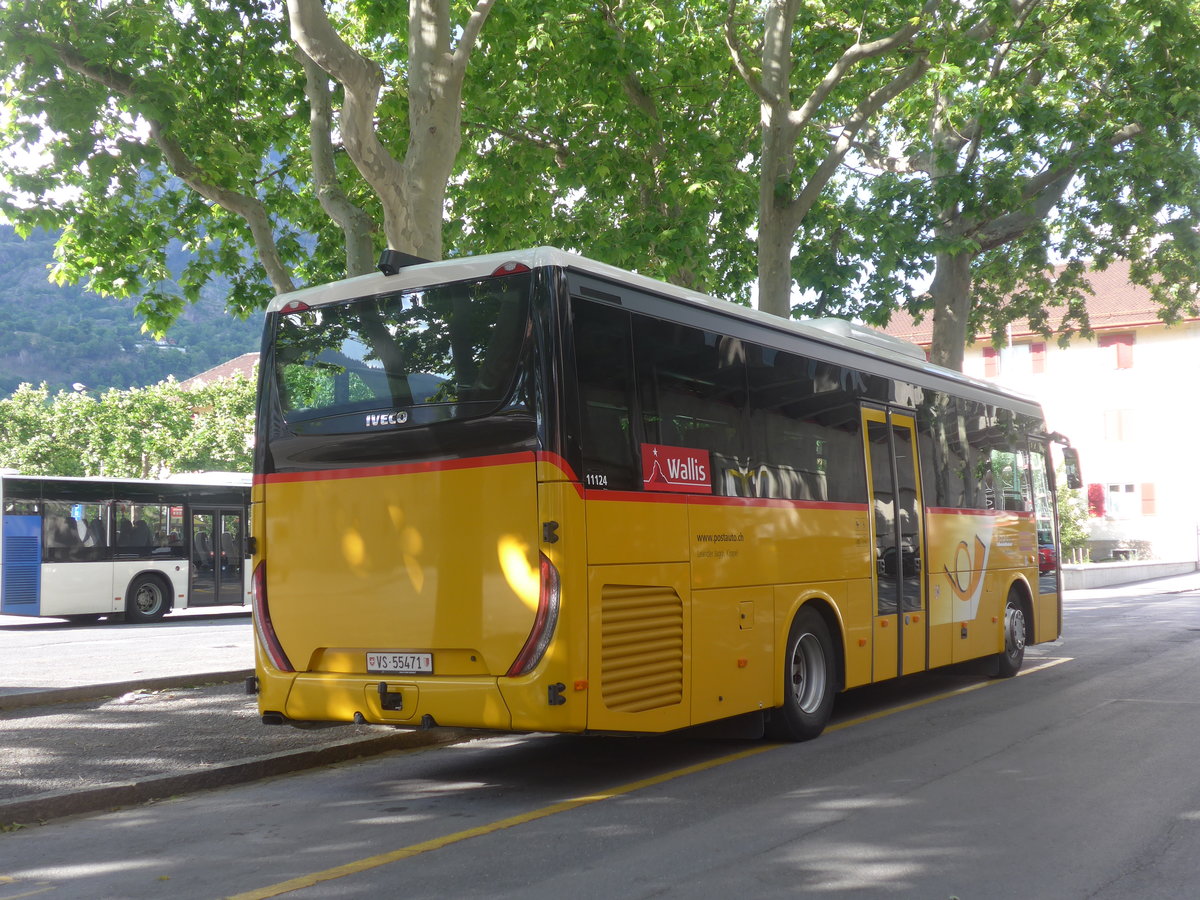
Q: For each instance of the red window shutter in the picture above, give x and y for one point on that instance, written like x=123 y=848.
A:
x=1037 y=356
x=1124 y=345
x=1148 y=500
x=991 y=362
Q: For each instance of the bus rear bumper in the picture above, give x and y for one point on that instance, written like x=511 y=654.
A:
x=458 y=702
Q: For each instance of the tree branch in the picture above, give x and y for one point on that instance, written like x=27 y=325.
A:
x=362 y=80
x=246 y=206
x=355 y=224
x=869 y=106
x=854 y=55
x=470 y=36
x=1041 y=193
x=739 y=59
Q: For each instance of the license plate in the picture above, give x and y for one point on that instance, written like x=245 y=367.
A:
x=400 y=662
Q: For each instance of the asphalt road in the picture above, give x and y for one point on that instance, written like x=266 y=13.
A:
x=1077 y=779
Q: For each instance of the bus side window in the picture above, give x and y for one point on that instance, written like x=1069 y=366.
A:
x=66 y=536
x=1010 y=477
x=692 y=390
x=977 y=434
x=806 y=440
x=604 y=371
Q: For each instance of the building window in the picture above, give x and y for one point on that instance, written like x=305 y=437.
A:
x=1124 y=348
x=991 y=362
x=1026 y=358
x=1119 y=424
x=1122 y=501
x=1148 y=507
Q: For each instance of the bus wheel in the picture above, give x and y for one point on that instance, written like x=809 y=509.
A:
x=808 y=680
x=1014 y=636
x=146 y=600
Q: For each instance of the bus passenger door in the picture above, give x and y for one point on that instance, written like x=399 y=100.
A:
x=1048 y=610
x=217 y=557
x=898 y=533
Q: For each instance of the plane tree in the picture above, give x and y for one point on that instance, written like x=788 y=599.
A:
x=617 y=129
x=1047 y=137
x=136 y=433
x=821 y=71
x=277 y=145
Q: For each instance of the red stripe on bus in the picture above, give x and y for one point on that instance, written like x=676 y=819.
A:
x=706 y=500
x=508 y=459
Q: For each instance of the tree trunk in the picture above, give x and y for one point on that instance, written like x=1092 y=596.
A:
x=951 y=294
x=774 y=261
x=412 y=192
x=778 y=163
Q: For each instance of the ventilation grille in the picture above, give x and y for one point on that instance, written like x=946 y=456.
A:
x=22 y=571
x=641 y=661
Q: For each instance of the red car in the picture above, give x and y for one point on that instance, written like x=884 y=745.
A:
x=1047 y=558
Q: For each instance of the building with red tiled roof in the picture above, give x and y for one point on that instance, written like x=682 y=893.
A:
x=1115 y=302
x=245 y=365
x=1126 y=398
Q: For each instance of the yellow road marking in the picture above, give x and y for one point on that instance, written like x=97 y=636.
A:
x=32 y=893
x=382 y=859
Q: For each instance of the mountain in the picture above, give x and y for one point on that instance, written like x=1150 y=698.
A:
x=67 y=335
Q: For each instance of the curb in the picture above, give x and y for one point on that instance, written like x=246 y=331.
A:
x=52 y=696
x=44 y=807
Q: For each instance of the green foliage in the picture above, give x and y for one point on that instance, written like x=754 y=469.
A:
x=88 y=88
x=1072 y=518
x=138 y=433
x=1048 y=132
x=620 y=131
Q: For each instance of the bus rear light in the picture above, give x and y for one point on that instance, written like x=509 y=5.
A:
x=294 y=306
x=543 y=623
x=510 y=268
x=263 y=628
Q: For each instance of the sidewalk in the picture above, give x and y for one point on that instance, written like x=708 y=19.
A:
x=1172 y=584
x=140 y=745
x=117 y=716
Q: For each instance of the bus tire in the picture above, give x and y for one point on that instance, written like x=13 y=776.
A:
x=147 y=599
x=808 y=680
x=1015 y=634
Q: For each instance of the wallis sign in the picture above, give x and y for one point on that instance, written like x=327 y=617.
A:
x=677 y=469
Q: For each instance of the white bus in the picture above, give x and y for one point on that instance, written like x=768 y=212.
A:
x=82 y=548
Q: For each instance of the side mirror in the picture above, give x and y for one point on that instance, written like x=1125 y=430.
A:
x=1071 y=466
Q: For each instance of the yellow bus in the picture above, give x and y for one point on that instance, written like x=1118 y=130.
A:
x=533 y=492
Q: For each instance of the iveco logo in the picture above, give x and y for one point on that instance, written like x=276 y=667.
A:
x=399 y=417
